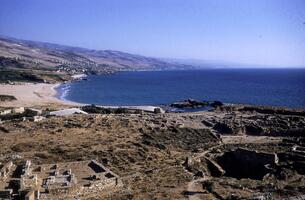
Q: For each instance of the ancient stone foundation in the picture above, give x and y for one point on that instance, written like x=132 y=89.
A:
x=244 y=163
x=56 y=181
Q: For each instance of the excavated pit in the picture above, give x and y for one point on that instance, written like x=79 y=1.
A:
x=244 y=163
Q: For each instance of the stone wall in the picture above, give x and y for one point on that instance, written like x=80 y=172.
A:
x=6 y=194
x=63 y=190
x=5 y=170
x=30 y=195
x=101 y=185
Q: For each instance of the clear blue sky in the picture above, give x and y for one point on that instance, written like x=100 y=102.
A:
x=268 y=32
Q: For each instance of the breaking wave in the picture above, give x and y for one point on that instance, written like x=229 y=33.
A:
x=63 y=91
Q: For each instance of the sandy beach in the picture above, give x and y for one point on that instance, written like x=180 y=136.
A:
x=29 y=94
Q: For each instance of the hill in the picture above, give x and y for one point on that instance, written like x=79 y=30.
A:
x=22 y=60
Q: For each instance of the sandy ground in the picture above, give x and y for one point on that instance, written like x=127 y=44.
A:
x=29 y=94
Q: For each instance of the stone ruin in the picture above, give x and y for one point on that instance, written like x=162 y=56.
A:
x=60 y=183
x=61 y=180
x=5 y=170
x=244 y=163
x=102 y=179
x=296 y=156
x=6 y=194
x=29 y=186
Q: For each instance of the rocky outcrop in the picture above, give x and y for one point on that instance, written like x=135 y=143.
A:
x=264 y=110
x=258 y=124
x=7 y=98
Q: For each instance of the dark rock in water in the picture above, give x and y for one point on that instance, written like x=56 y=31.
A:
x=189 y=103
x=192 y=103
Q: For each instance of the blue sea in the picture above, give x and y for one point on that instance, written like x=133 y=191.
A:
x=274 y=87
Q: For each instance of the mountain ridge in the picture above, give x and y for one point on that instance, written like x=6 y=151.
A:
x=25 y=55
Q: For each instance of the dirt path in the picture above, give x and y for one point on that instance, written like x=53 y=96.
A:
x=207 y=151
x=195 y=190
x=194 y=187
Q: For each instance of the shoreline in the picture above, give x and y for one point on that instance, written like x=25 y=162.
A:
x=57 y=96
x=149 y=108
x=79 y=77
x=43 y=94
